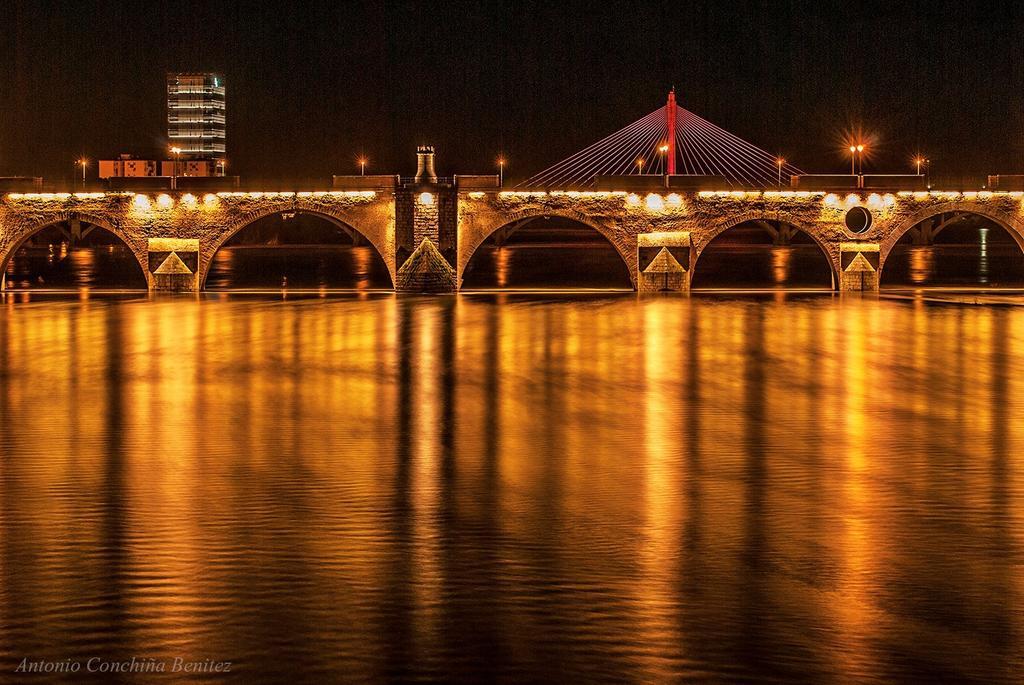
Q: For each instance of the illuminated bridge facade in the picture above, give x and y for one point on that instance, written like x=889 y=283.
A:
x=426 y=236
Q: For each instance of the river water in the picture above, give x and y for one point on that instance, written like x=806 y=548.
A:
x=515 y=488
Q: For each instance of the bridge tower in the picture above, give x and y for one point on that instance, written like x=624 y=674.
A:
x=670 y=123
x=425 y=225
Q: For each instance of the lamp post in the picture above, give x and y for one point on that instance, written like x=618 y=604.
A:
x=779 y=162
x=860 y=158
x=501 y=171
x=640 y=165
x=663 y=151
x=176 y=151
x=853 y=160
x=83 y=162
x=362 y=166
x=918 y=162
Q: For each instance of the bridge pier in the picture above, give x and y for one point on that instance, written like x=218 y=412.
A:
x=859 y=267
x=425 y=269
x=663 y=262
x=173 y=264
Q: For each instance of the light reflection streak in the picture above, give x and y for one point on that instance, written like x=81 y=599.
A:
x=426 y=451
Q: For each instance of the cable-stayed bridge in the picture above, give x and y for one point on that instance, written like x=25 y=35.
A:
x=669 y=141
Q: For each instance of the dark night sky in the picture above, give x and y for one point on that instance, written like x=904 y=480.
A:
x=309 y=86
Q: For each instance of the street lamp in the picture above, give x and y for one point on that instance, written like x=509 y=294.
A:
x=83 y=162
x=919 y=161
x=176 y=151
x=779 y=162
x=663 y=151
x=362 y=166
x=501 y=171
x=853 y=160
x=860 y=158
x=640 y=165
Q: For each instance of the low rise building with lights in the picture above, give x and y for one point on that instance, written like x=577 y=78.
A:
x=127 y=166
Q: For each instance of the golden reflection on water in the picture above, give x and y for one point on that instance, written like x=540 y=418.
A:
x=781 y=259
x=502 y=258
x=922 y=264
x=562 y=488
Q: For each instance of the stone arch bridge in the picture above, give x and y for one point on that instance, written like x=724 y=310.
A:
x=427 y=235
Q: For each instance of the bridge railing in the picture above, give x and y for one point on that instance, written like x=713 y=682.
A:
x=441 y=180
x=858 y=182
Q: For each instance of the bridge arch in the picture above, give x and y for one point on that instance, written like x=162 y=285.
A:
x=340 y=220
x=705 y=238
x=25 y=232
x=617 y=239
x=1011 y=223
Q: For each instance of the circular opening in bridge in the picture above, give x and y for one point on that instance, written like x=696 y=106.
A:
x=546 y=253
x=73 y=255
x=763 y=254
x=955 y=249
x=858 y=219
x=295 y=250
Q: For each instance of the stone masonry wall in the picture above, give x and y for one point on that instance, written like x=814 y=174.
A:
x=621 y=217
x=212 y=218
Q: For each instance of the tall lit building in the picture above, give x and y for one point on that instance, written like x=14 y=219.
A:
x=195 y=117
